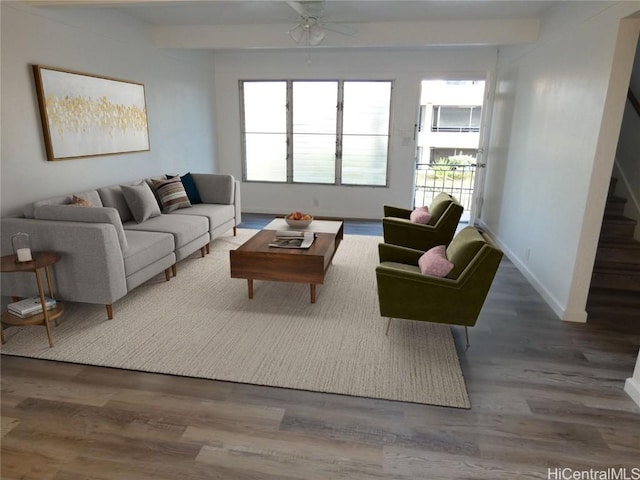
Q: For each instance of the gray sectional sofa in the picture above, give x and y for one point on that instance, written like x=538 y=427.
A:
x=119 y=239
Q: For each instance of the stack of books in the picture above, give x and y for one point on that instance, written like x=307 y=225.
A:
x=292 y=239
x=28 y=307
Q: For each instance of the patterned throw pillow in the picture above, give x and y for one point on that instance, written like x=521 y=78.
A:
x=434 y=262
x=172 y=195
x=77 y=201
x=420 y=215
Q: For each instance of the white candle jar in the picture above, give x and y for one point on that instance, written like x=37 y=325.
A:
x=21 y=247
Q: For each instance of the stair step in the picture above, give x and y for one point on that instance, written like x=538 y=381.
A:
x=615 y=205
x=604 y=298
x=615 y=226
x=617 y=276
x=615 y=282
x=618 y=250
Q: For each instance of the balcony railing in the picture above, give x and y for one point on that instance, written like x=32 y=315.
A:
x=455 y=179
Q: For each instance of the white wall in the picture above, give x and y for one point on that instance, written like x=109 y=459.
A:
x=178 y=88
x=406 y=69
x=559 y=104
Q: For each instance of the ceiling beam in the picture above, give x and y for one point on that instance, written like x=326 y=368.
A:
x=387 y=34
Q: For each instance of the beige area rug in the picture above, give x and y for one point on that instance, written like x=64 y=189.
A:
x=202 y=324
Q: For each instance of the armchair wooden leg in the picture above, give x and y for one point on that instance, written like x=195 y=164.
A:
x=203 y=251
x=466 y=334
x=174 y=269
x=388 y=325
x=167 y=274
x=109 y=311
x=208 y=248
x=235 y=231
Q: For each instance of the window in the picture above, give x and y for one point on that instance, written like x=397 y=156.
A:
x=456 y=119
x=265 y=131
x=327 y=132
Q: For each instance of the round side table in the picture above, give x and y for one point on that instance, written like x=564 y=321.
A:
x=41 y=261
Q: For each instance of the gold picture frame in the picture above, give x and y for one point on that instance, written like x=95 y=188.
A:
x=86 y=115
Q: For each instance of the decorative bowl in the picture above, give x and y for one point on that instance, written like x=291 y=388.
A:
x=298 y=220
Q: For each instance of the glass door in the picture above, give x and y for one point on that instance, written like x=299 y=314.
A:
x=449 y=155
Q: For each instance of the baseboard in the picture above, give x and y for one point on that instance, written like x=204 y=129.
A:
x=632 y=387
x=579 y=316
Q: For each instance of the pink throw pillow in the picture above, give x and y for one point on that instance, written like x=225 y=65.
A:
x=434 y=262
x=420 y=215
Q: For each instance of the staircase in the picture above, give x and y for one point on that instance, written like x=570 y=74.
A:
x=615 y=283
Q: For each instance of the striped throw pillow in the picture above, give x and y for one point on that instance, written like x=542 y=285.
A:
x=172 y=194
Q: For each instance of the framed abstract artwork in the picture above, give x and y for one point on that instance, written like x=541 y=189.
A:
x=87 y=115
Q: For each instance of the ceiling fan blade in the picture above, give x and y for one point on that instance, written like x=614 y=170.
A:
x=307 y=8
x=299 y=8
x=296 y=33
x=341 y=28
x=316 y=35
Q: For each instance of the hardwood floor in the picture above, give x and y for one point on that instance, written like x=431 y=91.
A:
x=545 y=394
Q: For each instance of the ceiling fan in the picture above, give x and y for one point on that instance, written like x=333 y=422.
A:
x=312 y=25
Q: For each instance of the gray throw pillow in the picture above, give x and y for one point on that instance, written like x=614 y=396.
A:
x=141 y=201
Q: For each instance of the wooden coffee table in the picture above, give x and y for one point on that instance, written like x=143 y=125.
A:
x=256 y=260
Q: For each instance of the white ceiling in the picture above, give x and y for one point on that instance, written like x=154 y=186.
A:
x=230 y=24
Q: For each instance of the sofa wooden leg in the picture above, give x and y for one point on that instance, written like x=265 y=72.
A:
x=466 y=335
x=388 y=325
x=109 y=311
x=203 y=251
x=208 y=248
x=235 y=231
x=174 y=269
x=167 y=274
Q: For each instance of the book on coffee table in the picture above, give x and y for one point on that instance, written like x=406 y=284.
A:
x=291 y=239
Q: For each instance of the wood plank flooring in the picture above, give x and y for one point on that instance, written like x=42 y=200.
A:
x=545 y=394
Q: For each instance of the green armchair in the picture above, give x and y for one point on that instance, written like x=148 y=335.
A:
x=445 y=216
x=405 y=292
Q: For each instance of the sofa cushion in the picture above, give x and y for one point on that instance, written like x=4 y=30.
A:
x=215 y=188
x=463 y=248
x=112 y=196
x=184 y=228
x=215 y=214
x=434 y=262
x=70 y=213
x=146 y=248
x=141 y=201
x=172 y=194
x=402 y=266
x=90 y=195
